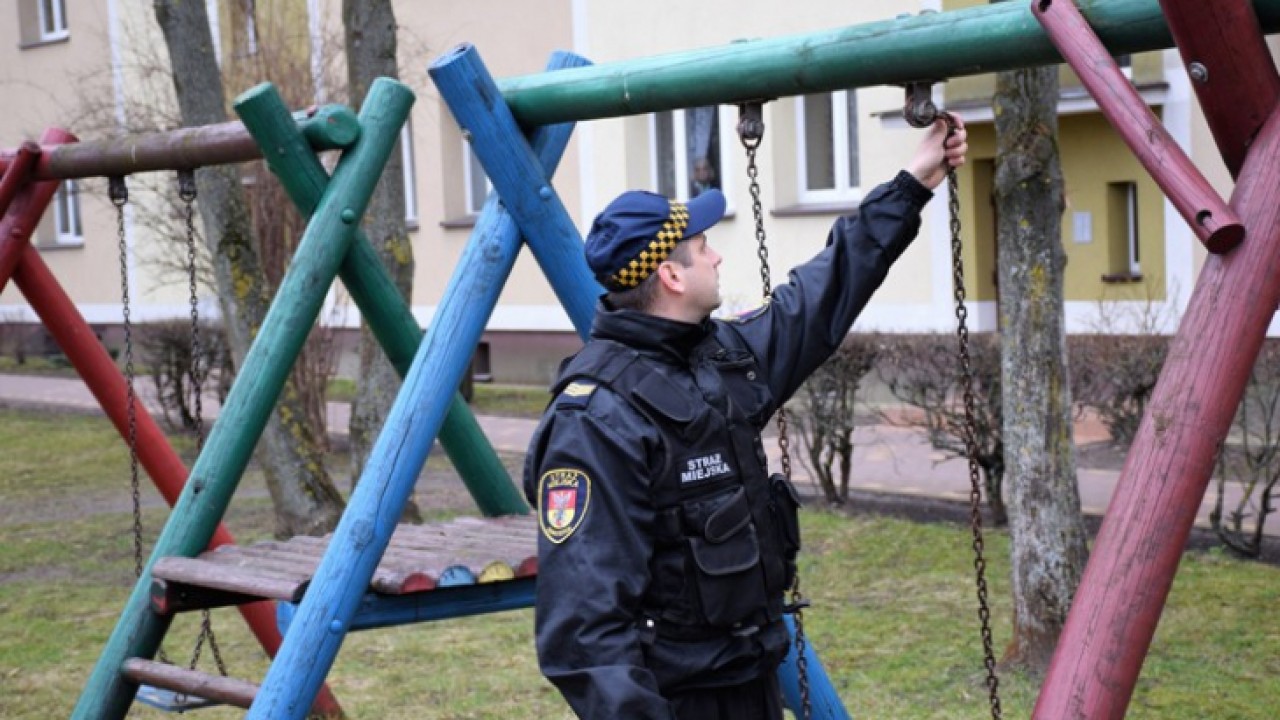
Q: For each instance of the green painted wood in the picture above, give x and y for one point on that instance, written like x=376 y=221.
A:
x=266 y=116
x=936 y=46
x=230 y=445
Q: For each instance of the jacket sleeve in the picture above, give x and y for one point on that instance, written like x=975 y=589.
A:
x=591 y=578
x=807 y=318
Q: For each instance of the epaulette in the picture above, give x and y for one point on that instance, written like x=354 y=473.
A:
x=576 y=394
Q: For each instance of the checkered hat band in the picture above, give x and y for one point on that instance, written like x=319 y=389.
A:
x=660 y=247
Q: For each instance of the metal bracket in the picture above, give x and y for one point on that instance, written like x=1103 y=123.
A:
x=919 y=110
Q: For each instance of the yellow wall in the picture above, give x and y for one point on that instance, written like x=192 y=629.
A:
x=1093 y=155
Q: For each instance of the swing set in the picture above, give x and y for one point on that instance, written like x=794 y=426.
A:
x=369 y=573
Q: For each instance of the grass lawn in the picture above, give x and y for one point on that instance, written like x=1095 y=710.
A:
x=894 y=615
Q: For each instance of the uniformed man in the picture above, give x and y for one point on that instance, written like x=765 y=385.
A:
x=666 y=546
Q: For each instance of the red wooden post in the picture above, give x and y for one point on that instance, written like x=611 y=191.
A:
x=1127 y=580
x=1231 y=70
x=1208 y=215
x=17 y=173
x=63 y=321
x=17 y=218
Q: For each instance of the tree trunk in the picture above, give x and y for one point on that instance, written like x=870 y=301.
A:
x=1045 y=524
x=305 y=500
x=370 y=37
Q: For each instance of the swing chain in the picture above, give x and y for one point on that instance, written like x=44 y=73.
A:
x=118 y=191
x=970 y=441
x=187 y=194
x=751 y=132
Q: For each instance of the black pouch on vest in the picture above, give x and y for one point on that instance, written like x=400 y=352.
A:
x=726 y=558
x=785 y=505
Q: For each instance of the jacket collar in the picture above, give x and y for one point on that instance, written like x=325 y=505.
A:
x=666 y=339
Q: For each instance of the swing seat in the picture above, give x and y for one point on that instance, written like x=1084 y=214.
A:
x=170 y=701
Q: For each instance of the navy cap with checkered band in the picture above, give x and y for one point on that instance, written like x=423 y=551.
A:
x=639 y=229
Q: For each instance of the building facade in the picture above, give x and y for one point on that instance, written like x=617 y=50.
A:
x=91 y=65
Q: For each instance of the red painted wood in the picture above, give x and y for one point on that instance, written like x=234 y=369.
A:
x=1240 y=86
x=1209 y=216
x=17 y=174
x=67 y=326
x=24 y=211
x=1135 y=557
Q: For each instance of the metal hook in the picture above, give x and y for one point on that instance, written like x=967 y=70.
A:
x=919 y=110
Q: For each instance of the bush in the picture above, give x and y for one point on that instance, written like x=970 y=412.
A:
x=1250 y=459
x=924 y=372
x=1114 y=376
x=826 y=420
x=164 y=348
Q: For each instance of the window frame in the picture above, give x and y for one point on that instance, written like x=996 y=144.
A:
x=844 y=190
x=60 y=29
x=68 y=220
x=472 y=204
x=410 y=175
x=725 y=125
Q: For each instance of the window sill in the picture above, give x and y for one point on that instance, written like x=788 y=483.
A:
x=42 y=42
x=411 y=225
x=466 y=221
x=814 y=209
x=42 y=247
x=1122 y=278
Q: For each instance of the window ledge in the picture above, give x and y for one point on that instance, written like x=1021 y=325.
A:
x=465 y=221
x=53 y=40
x=42 y=247
x=411 y=225
x=1122 y=278
x=811 y=209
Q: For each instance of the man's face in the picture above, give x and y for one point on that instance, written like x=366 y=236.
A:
x=702 y=276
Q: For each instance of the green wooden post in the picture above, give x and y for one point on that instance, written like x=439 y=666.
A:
x=935 y=46
x=267 y=118
x=217 y=471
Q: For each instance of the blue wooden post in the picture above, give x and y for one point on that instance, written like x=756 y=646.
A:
x=518 y=178
x=824 y=703
x=325 y=615
x=216 y=473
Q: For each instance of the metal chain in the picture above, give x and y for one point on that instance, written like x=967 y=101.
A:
x=118 y=191
x=751 y=132
x=187 y=193
x=970 y=440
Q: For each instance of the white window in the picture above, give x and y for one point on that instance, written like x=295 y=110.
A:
x=687 y=157
x=53 y=19
x=828 y=146
x=477 y=182
x=1122 y=229
x=66 y=214
x=410 y=176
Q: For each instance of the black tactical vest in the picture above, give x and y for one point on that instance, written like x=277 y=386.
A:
x=727 y=532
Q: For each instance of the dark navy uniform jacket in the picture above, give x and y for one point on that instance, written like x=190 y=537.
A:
x=598 y=468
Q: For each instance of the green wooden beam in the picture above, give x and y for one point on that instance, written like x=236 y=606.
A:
x=934 y=46
x=261 y=377
x=375 y=293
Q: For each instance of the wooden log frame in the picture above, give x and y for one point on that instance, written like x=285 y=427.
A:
x=1199 y=204
x=225 y=690
x=1136 y=554
x=1223 y=48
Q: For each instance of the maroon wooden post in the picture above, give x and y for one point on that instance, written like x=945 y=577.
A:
x=19 y=217
x=1231 y=70
x=17 y=174
x=1208 y=215
x=1127 y=580
x=67 y=326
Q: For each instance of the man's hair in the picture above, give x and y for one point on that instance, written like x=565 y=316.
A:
x=642 y=297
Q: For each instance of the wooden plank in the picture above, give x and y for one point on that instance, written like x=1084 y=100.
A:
x=229 y=691
x=168 y=598
x=202 y=573
x=1209 y=216
x=1236 y=80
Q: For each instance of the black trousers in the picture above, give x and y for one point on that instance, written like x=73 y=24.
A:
x=759 y=699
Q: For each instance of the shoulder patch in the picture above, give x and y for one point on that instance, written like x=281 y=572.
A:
x=751 y=313
x=577 y=389
x=564 y=495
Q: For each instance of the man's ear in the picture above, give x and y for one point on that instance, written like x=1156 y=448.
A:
x=669 y=276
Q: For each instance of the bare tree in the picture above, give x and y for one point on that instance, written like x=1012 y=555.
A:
x=305 y=499
x=827 y=421
x=370 y=33
x=1045 y=522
